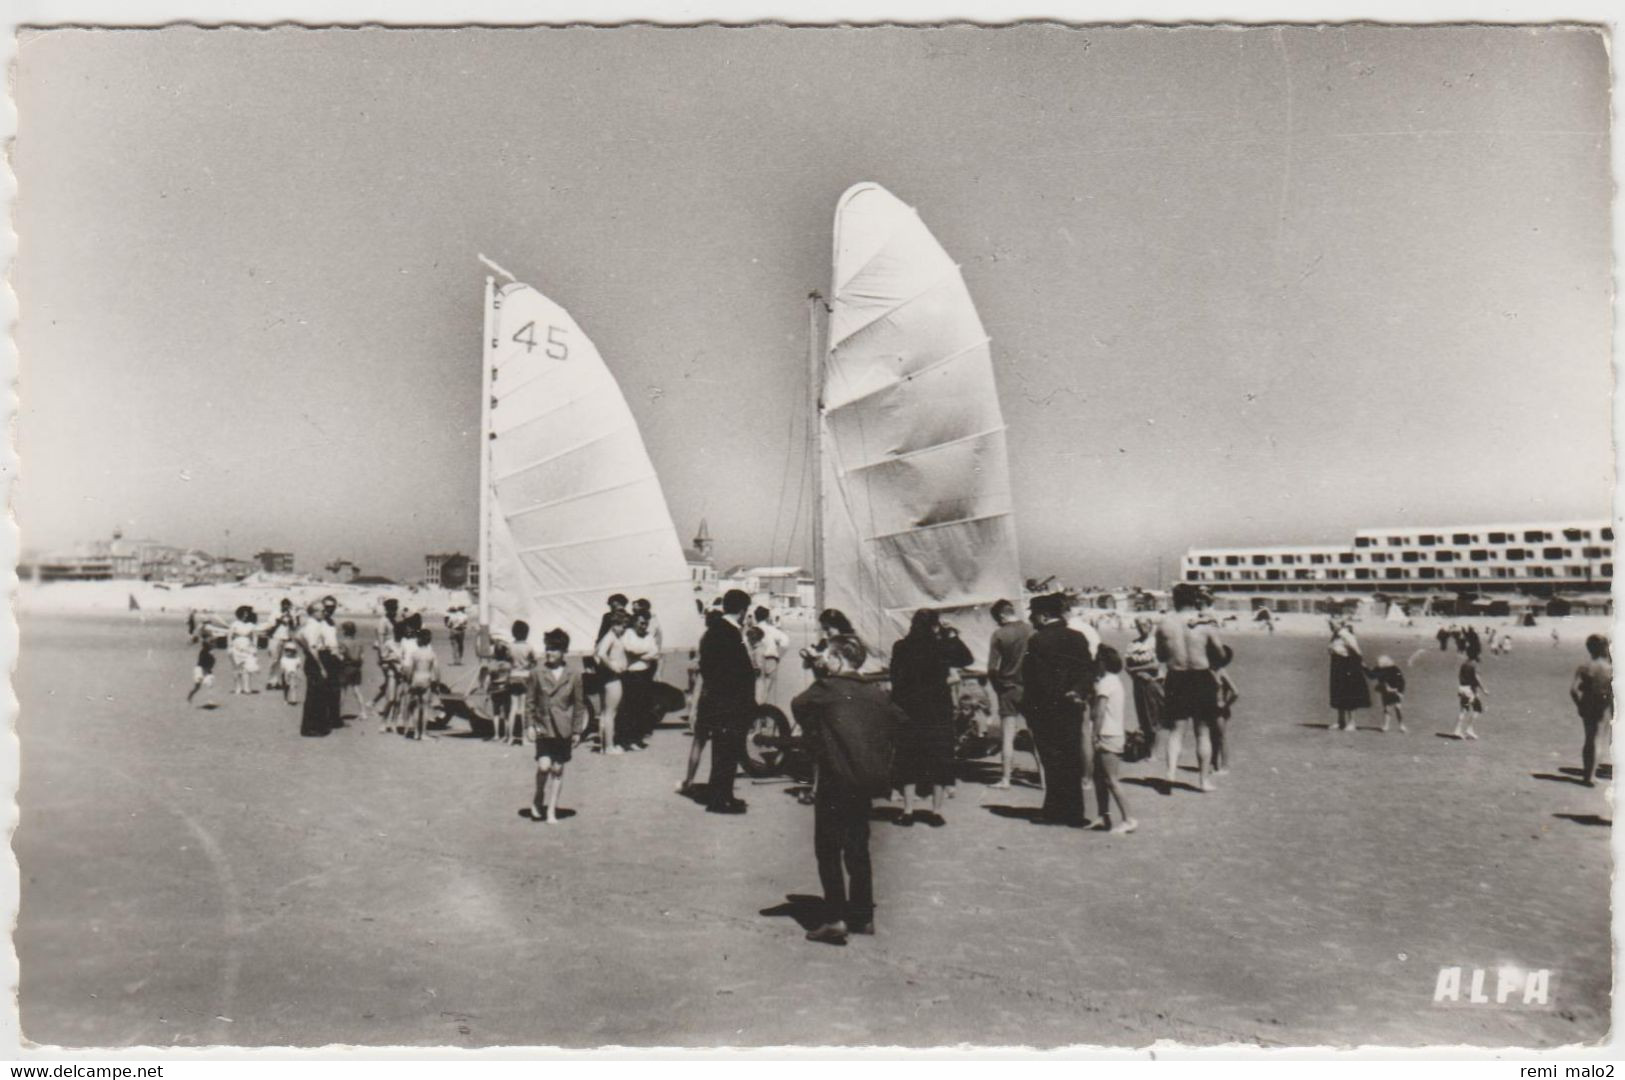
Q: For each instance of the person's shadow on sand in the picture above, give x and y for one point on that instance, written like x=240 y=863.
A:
x=1032 y=814
x=1158 y=784
x=1577 y=780
x=1584 y=819
x=529 y=814
x=807 y=911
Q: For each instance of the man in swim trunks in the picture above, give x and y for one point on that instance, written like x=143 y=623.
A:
x=1188 y=643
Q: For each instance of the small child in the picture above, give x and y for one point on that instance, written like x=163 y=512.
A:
x=556 y=707
x=1390 y=683
x=389 y=662
x=1110 y=740
x=290 y=665
x=1470 y=692
x=422 y=672
x=203 y=671
x=350 y=659
x=498 y=684
x=1228 y=695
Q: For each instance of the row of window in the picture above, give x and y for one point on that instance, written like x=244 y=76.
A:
x=1530 y=536
x=1516 y=554
x=1399 y=573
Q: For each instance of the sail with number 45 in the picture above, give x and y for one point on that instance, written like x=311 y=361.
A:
x=571 y=508
x=916 y=509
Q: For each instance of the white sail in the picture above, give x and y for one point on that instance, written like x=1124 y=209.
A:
x=916 y=510
x=572 y=508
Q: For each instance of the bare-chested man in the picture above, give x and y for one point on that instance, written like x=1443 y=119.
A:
x=1188 y=642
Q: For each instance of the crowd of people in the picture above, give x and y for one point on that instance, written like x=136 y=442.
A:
x=869 y=732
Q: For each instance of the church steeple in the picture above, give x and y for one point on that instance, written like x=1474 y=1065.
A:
x=702 y=540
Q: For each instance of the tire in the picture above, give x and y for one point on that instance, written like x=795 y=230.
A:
x=765 y=742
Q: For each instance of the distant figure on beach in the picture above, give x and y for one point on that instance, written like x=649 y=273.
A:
x=769 y=653
x=203 y=670
x=498 y=691
x=243 y=648
x=351 y=659
x=557 y=707
x=281 y=635
x=1472 y=644
x=421 y=675
x=1390 y=683
x=1145 y=676
x=1349 y=691
x=1006 y=651
x=523 y=654
x=920 y=664
x=1188 y=643
x=1592 y=692
x=610 y=655
x=457 y=631
x=1109 y=739
x=318 y=642
x=850 y=725
x=386 y=644
x=1057 y=683
x=288 y=664
x=727 y=699
x=1470 y=695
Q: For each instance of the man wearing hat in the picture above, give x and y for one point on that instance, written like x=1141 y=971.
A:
x=1058 y=677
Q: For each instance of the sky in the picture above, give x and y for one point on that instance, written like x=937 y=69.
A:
x=1243 y=286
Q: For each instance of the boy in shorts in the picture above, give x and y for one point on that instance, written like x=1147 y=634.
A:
x=350 y=664
x=1110 y=740
x=421 y=674
x=1470 y=694
x=1390 y=683
x=203 y=671
x=556 y=706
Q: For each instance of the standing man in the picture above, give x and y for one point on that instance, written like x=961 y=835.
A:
x=1006 y=652
x=1058 y=676
x=1188 y=642
x=319 y=642
x=851 y=725
x=727 y=698
x=768 y=654
x=456 y=630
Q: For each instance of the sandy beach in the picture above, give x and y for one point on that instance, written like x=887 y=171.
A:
x=200 y=876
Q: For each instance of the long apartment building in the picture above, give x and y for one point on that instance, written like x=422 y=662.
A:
x=1542 y=559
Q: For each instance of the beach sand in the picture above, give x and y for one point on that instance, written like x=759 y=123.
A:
x=194 y=877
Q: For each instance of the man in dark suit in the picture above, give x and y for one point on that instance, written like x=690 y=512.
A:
x=851 y=725
x=727 y=699
x=1057 y=680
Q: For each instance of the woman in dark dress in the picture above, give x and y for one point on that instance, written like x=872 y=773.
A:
x=1349 y=691
x=925 y=744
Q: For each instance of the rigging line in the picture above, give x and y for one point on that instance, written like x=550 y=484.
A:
x=803 y=482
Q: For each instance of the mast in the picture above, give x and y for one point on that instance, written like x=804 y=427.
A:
x=487 y=354
x=815 y=443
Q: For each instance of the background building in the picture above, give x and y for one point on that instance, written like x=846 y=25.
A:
x=1546 y=559
x=275 y=562
x=451 y=571
x=702 y=567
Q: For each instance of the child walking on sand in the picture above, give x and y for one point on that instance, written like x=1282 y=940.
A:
x=203 y=670
x=556 y=706
x=1228 y=695
x=1110 y=740
x=1470 y=693
x=421 y=674
x=1390 y=683
x=498 y=684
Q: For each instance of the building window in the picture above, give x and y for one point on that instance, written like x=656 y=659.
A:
x=1304 y=575
x=1232 y=560
x=1426 y=540
x=1275 y=575
x=1463 y=539
x=1362 y=574
x=1345 y=556
x=1577 y=534
x=1190 y=575
x=1444 y=556
x=1594 y=552
x=1607 y=569
x=1379 y=556
x=1608 y=534
x=1515 y=554
x=1221 y=575
x=1412 y=556
x=1427 y=572
x=1394 y=573
x=1478 y=555
x=1535 y=536
x=1552 y=553
x=1362 y=541
x=1317 y=559
x=1288 y=560
x=1396 y=541
x=1575 y=571
x=1260 y=560
x=1335 y=575
x=1205 y=560
x=1499 y=538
